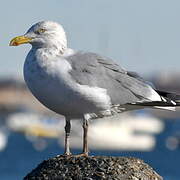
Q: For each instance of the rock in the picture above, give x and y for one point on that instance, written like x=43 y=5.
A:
x=93 y=167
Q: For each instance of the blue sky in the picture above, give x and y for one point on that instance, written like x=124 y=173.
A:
x=141 y=35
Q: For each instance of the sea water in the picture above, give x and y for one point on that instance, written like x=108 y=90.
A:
x=20 y=157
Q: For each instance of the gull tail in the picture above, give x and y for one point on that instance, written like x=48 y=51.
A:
x=169 y=101
x=170 y=98
x=173 y=97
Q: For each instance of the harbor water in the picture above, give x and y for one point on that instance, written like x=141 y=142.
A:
x=20 y=157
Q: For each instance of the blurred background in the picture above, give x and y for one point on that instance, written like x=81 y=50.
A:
x=141 y=35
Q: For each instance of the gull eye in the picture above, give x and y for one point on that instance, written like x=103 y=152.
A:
x=40 y=31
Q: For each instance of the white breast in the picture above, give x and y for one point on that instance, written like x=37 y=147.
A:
x=51 y=84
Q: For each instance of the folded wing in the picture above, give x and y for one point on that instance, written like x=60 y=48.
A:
x=122 y=86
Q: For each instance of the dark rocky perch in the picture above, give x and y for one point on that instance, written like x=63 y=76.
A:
x=93 y=167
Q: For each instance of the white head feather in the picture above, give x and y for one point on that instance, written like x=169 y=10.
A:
x=48 y=34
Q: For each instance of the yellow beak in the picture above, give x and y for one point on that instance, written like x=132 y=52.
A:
x=19 y=40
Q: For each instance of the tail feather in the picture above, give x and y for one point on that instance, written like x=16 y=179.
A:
x=173 y=96
x=170 y=97
x=158 y=103
x=169 y=101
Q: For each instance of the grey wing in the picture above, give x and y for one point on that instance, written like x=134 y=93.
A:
x=123 y=87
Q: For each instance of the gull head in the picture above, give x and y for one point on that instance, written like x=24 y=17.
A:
x=44 y=34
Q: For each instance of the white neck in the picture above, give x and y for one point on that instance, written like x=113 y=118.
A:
x=53 y=52
x=54 y=49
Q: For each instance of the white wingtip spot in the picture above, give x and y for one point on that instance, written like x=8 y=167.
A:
x=173 y=102
x=163 y=99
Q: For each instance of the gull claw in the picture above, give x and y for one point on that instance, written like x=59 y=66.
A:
x=84 y=154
